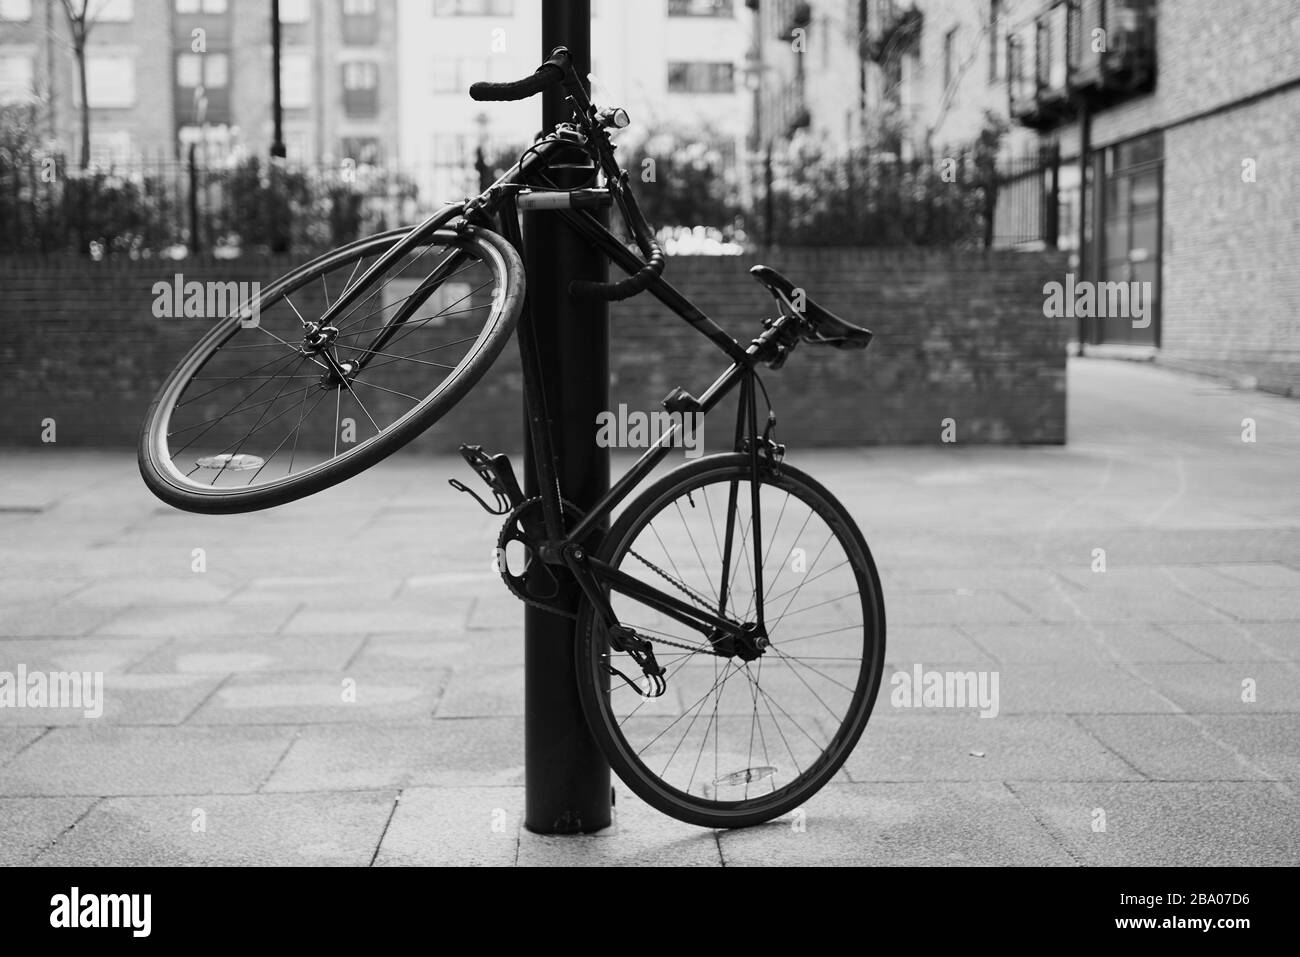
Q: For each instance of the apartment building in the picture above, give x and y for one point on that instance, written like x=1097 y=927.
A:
x=675 y=65
x=339 y=79
x=162 y=74
x=1183 y=121
x=127 y=74
x=908 y=78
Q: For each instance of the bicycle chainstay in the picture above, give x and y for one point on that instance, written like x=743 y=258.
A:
x=508 y=535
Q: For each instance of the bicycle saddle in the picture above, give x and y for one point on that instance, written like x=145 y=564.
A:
x=827 y=328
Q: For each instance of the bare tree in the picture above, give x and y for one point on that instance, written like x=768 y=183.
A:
x=81 y=16
x=902 y=43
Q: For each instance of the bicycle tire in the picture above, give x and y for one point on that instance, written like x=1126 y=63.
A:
x=596 y=688
x=165 y=479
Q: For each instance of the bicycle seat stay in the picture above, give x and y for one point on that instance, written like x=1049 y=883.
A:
x=824 y=327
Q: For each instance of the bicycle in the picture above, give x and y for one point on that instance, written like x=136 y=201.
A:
x=679 y=654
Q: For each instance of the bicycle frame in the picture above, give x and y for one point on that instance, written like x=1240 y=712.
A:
x=500 y=200
x=567 y=549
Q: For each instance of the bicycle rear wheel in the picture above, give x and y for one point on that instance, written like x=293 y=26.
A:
x=735 y=742
x=273 y=405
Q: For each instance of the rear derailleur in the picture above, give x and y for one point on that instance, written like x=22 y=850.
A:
x=640 y=650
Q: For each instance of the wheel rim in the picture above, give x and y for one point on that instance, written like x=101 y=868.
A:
x=735 y=739
x=273 y=434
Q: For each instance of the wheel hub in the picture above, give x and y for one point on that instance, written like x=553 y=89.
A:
x=316 y=337
x=337 y=377
x=750 y=644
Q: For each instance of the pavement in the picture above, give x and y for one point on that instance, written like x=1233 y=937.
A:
x=1150 y=712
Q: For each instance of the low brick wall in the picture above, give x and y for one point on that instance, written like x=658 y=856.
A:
x=959 y=335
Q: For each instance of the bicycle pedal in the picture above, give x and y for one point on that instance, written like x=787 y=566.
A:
x=497 y=472
x=502 y=506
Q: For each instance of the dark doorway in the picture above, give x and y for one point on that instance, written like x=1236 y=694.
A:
x=1128 y=245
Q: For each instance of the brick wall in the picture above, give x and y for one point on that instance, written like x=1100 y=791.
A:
x=1231 y=291
x=959 y=335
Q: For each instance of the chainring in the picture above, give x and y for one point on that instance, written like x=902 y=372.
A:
x=521 y=527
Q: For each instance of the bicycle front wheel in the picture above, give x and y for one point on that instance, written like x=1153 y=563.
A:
x=741 y=735
x=274 y=404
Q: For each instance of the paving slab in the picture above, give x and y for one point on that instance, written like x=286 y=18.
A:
x=1086 y=687
x=48 y=619
x=484 y=691
x=240 y=655
x=1200 y=747
x=76 y=654
x=1227 y=687
x=1257 y=604
x=483 y=648
x=931 y=644
x=124 y=699
x=323 y=698
x=965 y=747
x=1063 y=643
x=454 y=827
x=1115 y=604
x=193 y=590
x=20 y=589
x=14 y=739
x=468 y=752
x=942 y=608
x=223 y=830
x=114 y=760
x=639 y=836
x=217 y=620
x=1164 y=824
x=348 y=617
x=311 y=589
x=1263 y=575
x=977 y=823
x=1239 y=641
x=29 y=825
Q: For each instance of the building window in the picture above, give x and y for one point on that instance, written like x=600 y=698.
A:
x=295 y=11
x=701 y=77
x=995 y=38
x=446 y=76
x=110 y=81
x=361 y=88
x=700 y=8
x=363 y=150
x=108 y=149
x=209 y=70
x=452 y=149
x=473 y=8
x=295 y=81
x=201 y=6
x=16 y=11
x=949 y=56
x=454 y=75
x=16 y=75
x=112 y=11
x=360 y=22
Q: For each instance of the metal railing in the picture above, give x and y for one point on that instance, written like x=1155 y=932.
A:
x=185 y=207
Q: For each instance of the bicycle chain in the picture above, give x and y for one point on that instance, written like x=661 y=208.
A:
x=680 y=586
